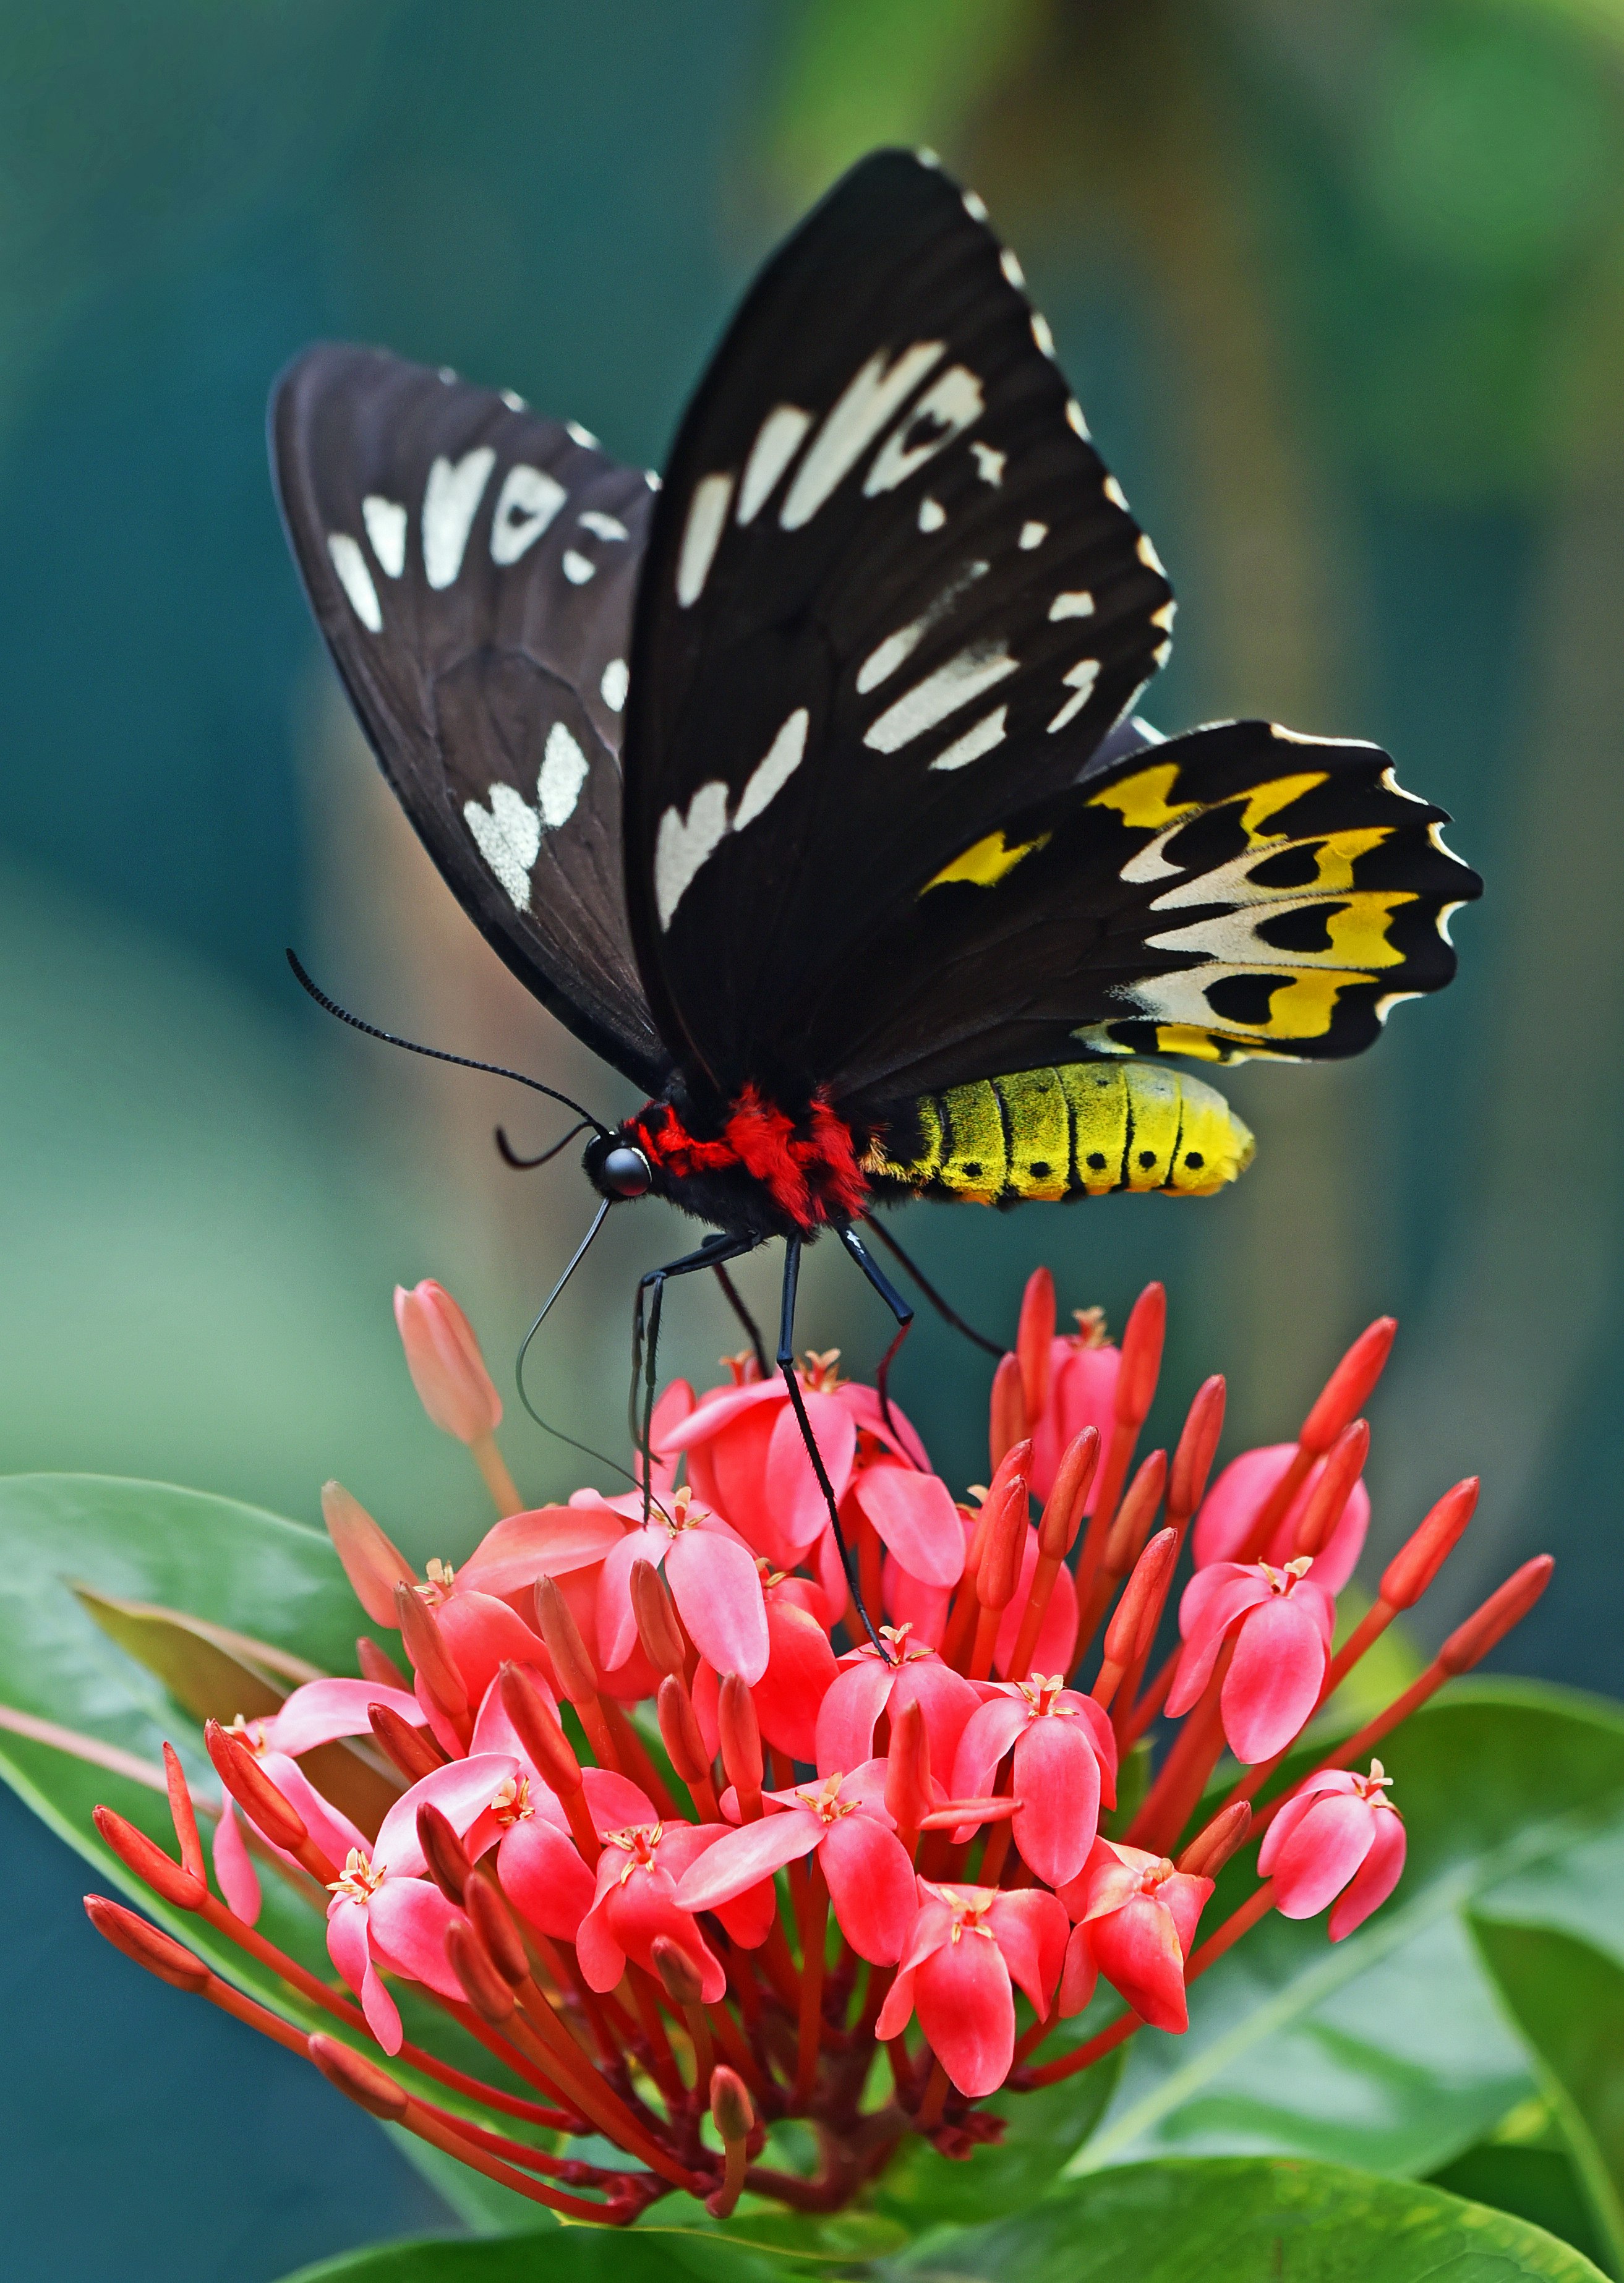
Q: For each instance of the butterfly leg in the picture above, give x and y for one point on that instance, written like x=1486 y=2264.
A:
x=645 y=1342
x=786 y=1365
x=753 y=1330
x=899 y=1308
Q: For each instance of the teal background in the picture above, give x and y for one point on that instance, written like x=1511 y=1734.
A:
x=1341 y=283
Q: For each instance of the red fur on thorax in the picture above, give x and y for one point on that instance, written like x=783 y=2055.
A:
x=813 y=1175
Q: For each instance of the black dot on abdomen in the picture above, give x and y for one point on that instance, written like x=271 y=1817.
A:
x=1194 y=1160
x=1147 y=1158
x=970 y=1171
x=1097 y=1161
x=1039 y=1170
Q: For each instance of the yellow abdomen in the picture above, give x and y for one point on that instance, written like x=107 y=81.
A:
x=1080 y=1130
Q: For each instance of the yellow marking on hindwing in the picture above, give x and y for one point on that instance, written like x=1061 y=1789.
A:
x=1266 y=801
x=1358 y=932
x=1142 y=799
x=986 y=862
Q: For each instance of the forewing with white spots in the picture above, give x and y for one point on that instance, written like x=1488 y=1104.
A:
x=473 y=567
x=892 y=598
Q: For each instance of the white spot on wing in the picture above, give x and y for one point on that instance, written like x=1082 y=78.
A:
x=975 y=207
x=887 y=655
x=1080 y=679
x=1434 y=833
x=1077 y=606
x=986 y=732
x=1042 y=334
x=507 y=834
x=681 y=844
x=451 y=500
x=926 y=156
x=707 y=511
x=932 y=515
x=651 y=479
x=772 y=774
x=602 y=525
x=1445 y=915
x=989 y=465
x=564 y=771
x=356 y=578
x=583 y=436
x=777 y=441
x=1074 y=419
x=615 y=684
x=954 y=684
x=386 y=528
x=862 y=409
x=526 y=504
x=576 y=568
x=1164 y=617
x=514 y=401
x=1033 y=534
x=1012 y=269
x=1148 y=556
x=953 y=403
x=1115 y=494
x=1389 y=1000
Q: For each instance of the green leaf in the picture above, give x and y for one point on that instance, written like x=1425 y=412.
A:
x=571 y=2255
x=1567 y=2001
x=1537 y=2183
x=1390 y=2048
x=1246 y=2220
x=1042 y=2129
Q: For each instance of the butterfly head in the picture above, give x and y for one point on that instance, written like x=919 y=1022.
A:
x=617 y=1167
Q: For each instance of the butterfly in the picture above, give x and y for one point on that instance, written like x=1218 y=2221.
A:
x=805 y=784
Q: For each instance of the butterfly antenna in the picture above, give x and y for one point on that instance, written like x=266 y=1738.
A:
x=948 y=1314
x=509 y=1156
x=579 y=1255
x=439 y=1054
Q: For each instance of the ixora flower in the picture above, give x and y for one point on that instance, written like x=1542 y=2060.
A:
x=672 y=1836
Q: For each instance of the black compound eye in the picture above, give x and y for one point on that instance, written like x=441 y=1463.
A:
x=626 y=1173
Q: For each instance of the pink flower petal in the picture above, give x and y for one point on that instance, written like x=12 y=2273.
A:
x=897 y=2012
x=601 y=1958
x=234 y=1870
x=347 y=1939
x=461 y=1791
x=846 y=1718
x=613 y=1802
x=545 y=1878
x=745 y=1857
x=986 y=1737
x=1273 y=1679
x=617 y=1622
x=1377 y=1876
x=1082 y=1393
x=871 y=1886
x=967 y=2012
x=917 y=1519
x=900 y=1436
x=646 y=1907
x=909 y=1601
x=407 y=1919
x=722 y=1408
x=323 y=1709
x=1321 y=1854
x=548 y=1542
x=1185 y=1898
x=728 y=1469
x=717 y=1589
x=333 y=1832
x=1031 y=1929
x=801 y=1671
x=945 y=1697
x=1079 y=1975
x=494 y=1731
x=1139 y=1954
x=483 y=1634
x=1056 y=1781
x=800 y=1510
x=1234 y=1501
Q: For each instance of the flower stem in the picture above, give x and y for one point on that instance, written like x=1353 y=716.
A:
x=498 y=1482
x=812 y=1913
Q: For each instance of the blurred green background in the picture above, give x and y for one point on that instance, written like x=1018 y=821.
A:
x=1341 y=284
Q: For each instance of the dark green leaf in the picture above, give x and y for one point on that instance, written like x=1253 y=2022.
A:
x=1537 y=2183
x=1390 y=2048
x=1043 y=2129
x=1250 y=2220
x=1567 y=2000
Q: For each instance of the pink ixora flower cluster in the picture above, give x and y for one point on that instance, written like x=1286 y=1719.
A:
x=632 y=1795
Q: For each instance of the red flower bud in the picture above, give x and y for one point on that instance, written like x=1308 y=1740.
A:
x=908 y=1769
x=1009 y=1422
x=170 y=1960
x=1142 y=1342
x=658 y=1629
x=1348 y=1389
x=484 y=1986
x=1425 y=1552
x=361 y=2080
x=412 y=1749
x=447 y=1860
x=1225 y=1835
x=1343 y=1465
x=1507 y=1606
x=183 y=1815
x=571 y=1660
x=372 y=1563
x=1136 y=1513
x=1134 y=1620
x=443 y=1358
x=1002 y=1545
x=544 y=1742
x=421 y=1633
x=1193 y=1461
x=677 y=1971
x=493 y=1921
x=185 y=1889
x=1063 y=1511
x=733 y=2112
x=679 y=1730
x=741 y=1743
x=253 y=1791
x=377 y=1665
x=1034 y=1341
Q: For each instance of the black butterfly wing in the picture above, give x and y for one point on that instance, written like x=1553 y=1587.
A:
x=892 y=597
x=474 y=568
x=1241 y=891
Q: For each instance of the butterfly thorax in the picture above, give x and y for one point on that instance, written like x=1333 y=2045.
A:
x=751 y=1166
